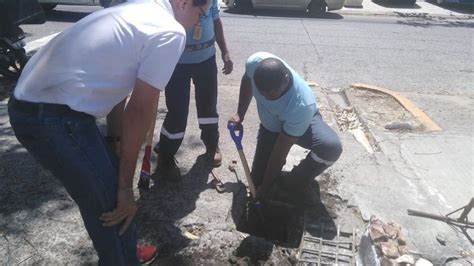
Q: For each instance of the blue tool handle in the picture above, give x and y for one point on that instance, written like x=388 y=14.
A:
x=237 y=138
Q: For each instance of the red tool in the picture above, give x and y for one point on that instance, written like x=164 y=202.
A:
x=145 y=173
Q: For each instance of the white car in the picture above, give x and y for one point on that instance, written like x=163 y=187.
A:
x=313 y=6
x=51 y=4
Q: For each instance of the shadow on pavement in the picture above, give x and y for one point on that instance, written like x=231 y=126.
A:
x=165 y=203
x=282 y=13
x=424 y=20
x=24 y=185
x=65 y=16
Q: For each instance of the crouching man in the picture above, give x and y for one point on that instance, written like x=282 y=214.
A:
x=288 y=115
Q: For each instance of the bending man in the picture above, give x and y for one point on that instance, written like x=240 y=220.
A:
x=78 y=77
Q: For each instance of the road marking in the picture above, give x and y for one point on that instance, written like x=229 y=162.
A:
x=421 y=116
x=36 y=44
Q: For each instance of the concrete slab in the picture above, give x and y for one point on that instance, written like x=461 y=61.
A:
x=427 y=172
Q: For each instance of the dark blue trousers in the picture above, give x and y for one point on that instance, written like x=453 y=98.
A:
x=204 y=76
x=69 y=144
x=319 y=138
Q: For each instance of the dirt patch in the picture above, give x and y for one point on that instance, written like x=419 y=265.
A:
x=382 y=111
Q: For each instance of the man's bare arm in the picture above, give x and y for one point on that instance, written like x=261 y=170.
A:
x=136 y=121
x=276 y=161
x=219 y=33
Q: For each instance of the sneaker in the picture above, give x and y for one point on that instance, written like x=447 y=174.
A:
x=168 y=169
x=146 y=254
x=214 y=156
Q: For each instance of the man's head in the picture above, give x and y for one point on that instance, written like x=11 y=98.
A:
x=188 y=12
x=272 y=78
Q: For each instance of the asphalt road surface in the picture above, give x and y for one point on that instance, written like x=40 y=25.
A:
x=413 y=54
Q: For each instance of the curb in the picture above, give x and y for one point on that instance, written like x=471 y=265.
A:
x=421 y=15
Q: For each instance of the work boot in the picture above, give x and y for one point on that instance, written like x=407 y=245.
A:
x=168 y=169
x=214 y=156
x=146 y=254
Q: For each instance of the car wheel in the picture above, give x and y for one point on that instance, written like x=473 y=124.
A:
x=243 y=4
x=317 y=8
x=48 y=7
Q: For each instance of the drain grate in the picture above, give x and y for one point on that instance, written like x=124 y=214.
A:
x=323 y=243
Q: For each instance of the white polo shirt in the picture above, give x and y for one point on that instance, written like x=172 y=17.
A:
x=94 y=64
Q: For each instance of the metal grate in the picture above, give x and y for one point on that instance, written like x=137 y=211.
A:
x=320 y=250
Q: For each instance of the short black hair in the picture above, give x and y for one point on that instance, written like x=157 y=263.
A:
x=200 y=2
x=270 y=74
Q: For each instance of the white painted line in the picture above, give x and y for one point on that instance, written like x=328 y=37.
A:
x=36 y=44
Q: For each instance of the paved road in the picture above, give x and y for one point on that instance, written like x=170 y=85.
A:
x=415 y=54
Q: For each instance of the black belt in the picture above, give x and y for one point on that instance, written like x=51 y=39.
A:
x=30 y=107
x=199 y=46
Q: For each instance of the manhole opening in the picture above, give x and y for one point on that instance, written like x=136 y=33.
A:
x=279 y=218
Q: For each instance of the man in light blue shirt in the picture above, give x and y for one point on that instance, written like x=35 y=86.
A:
x=288 y=115
x=198 y=63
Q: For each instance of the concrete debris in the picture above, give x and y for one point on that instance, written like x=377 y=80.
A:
x=387 y=262
x=347 y=118
x=441 y=239
x=402 y=249
x=397 y=125
x=190 y=236
x=389 y=249
x=388 y=239
x=423 y=262
x=405 y=259
x=392 y=230
x=376 y=232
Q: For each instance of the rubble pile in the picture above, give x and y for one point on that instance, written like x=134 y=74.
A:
x=391 y=247
x=347 y=118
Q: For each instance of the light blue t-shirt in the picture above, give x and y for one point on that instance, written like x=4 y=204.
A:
x=197 y=51
x=293 y=111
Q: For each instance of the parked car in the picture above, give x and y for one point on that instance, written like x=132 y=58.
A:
x=468 y=3
x=51 y=4
x=312 y=6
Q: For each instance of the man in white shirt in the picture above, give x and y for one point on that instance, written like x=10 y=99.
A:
x=80 y=76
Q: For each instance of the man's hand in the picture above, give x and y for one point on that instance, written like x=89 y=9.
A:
x=236 y=119
x=123 y=213
x=228 y=64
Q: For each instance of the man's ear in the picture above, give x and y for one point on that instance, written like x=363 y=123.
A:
x=182 y=4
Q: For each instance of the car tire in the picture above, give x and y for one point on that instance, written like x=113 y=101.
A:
x=48 y=7
x=317 y=8
x=243 y=4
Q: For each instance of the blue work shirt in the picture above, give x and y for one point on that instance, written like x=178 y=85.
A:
x=293 y=111
x=207 y=39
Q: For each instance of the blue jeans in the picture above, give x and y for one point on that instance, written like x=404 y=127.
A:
x=69 y=144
